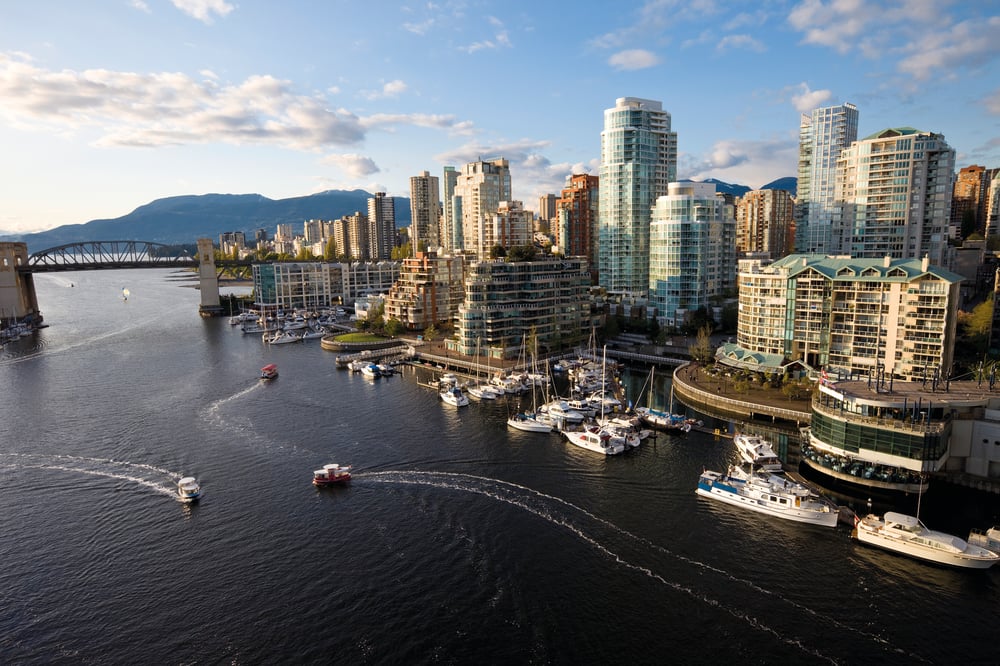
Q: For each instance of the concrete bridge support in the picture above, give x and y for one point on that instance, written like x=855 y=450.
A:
x=208 y=279
x=17 y=290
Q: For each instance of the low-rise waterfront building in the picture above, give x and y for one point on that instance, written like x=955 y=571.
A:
x=506 y=301
x=317 y=284
x=893 y=436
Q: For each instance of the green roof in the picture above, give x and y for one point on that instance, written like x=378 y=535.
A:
x=856 y=269
x=893 y=131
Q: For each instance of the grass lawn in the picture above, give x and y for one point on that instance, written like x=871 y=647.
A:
x=360 y=337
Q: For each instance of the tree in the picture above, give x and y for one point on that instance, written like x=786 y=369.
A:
x=330 y=253
x=498 y=252
x=521 y=253
x=304 y=254
x=393 y=327
x=702 y=350
x=430 y=332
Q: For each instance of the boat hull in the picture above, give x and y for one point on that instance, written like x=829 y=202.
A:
x=730 y=494
x=972 y=557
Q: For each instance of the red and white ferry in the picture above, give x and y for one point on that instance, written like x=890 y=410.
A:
x=269 y=371
x=332 y=475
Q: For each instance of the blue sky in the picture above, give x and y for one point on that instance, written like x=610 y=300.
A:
x=106 y=105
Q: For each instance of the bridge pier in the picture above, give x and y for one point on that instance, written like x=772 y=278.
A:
x=17 y=290
x=211 y=306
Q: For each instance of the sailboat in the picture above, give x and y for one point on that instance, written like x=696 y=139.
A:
x=598 y=439
x=531 y=421
x=481 y=389
x=125 y=293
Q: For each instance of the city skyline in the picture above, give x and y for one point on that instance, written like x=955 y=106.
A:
x=105 y=108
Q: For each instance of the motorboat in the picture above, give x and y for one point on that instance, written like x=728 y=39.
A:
x=188 y=489
x=561 y=411
x=282 y=337
x=454 y=396
x=386 y=370
x=313 y=333
x=332 y=475
x=371 y=371
x=757 y=451
x=906 y=535
x=600 y=441
x=769 y=494
x=988 y=539
x=530 y=422
x=269 y=371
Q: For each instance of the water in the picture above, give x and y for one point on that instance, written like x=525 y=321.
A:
x=459 y=541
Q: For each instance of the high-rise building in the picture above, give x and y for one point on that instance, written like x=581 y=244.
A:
x=575 y=229
x=638 y=160
x=893 y=197
x=350 y=235
x=765 y=221
x=312 y=231
x=692 y=251
x=508 y=227
x=823 y=134
x=381 y=226
x=993 y=208
x=547 y=208
x=425 y=212
x=968 y=199
x=481 y=186
x=450 y=231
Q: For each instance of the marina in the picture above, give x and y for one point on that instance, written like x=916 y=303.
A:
x=452 y=518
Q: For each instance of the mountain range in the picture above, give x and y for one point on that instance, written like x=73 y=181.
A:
x=181 y=220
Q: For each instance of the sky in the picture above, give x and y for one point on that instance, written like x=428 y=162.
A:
x=106 y=105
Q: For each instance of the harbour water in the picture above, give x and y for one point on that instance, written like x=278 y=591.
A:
x=459 y=541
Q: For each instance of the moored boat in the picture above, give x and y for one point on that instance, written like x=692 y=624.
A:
x=768 y=494
x=188 y=489
x=454 y=396
x=757 y=451
x=906 y=535
x=530 y=422
x=332 y=474
x=269 y=371
x=601 y=441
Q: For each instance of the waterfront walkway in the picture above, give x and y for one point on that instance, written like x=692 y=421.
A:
x=697 y=388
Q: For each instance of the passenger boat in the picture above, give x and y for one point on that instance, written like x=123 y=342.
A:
x=454 y=396
x=331 y=475
x=601 y=441
x=269 y=371
x=188 y=489
x=768 y=494
x=906 y=535
x=757 y=451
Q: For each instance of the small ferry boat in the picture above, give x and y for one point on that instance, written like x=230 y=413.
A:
x=269 y=371
x=757 y=451
x=906 y=535
x=188 y=489
x=769 y=494
x=331 y=475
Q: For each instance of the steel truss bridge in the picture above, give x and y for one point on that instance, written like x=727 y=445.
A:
x=104 y=255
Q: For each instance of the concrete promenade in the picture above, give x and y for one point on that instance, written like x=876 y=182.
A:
x=696 y=388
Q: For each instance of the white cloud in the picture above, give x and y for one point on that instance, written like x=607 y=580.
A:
x=140 y=5
x=390 y=89
x=170 y=108
x=354 y=165
x=632 y=59
x=806 y=100
x=500 y=38
x=968 y=43
x=992 y=102
x=203 y=9
x=750 y=163
x=835 y=24
x=740 y=42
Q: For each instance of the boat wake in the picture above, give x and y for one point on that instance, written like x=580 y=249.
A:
x=637 y=554
x=113 y=469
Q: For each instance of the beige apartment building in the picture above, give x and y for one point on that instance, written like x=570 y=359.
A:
x=848 y=316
